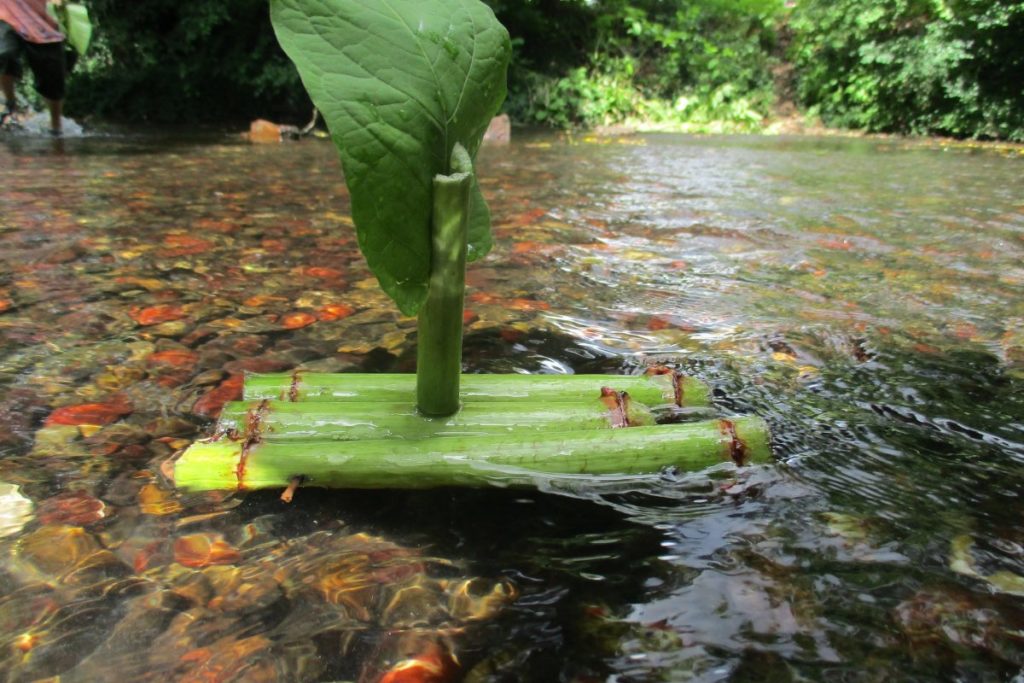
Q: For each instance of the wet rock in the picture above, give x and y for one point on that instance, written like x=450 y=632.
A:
x=119 y=377
x=63 y=441
x=20 y=407
x=201 y=646
x=941 y=622
x=214 y=359
x=155 y=315
x=331 y=312
x=89 y=414
x=116 y=658
x=58 y=643
x=171 y=426
x=478 y=599
x=212 y=402
x=236 y=589
x=335 y=364
x=99 y=567
x=253 y=659
x=54 y=550
x=15 y=510
x=22 y=609
x=265 y=363
x=161 y=449
x=297 y=320
x=420 y=659
x=145 y=554
x=154 y=500
x=173 y=329
x=203 y=550
x=175 y=358
x=121 y=434
x=208 y=377
x=72 y=508
x=123 y=489
x=418 y=604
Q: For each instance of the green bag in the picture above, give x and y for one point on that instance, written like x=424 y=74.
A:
x=74 y=22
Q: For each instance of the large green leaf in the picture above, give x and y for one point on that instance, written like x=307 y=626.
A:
x=399 y=82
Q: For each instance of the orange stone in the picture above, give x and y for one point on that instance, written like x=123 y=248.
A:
x=433 y=665
x=658 y=322
x=202 y=550
x=153 y=500
x=322 y=272
x=261 y=300
x=297 y=319
x=840 y=245
x=75 y=507
x=178 y=358
x=88 y=414
x=335 y=312
x=527 y=305
x=212 y=402
x=184 y=245
x=263 y=131
x=154 y=315
x=26 y=642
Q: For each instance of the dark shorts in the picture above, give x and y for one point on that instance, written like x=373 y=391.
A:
x=46 y=61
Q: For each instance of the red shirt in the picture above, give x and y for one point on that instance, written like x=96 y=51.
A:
x=30 y=20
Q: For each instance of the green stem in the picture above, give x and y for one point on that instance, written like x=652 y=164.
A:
x=495 y=460
x=650 y=389
x=283 y=421
x=439 y=345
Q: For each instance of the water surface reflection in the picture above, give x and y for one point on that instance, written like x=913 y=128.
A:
x=866 y=297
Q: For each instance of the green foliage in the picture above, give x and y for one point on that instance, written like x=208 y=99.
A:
x=913 y=66
x=168 y=61
x=578 y=98
x=950 y=67
x=669 y=61
x=400 y=83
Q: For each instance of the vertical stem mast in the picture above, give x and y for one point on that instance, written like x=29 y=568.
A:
x=439 y=349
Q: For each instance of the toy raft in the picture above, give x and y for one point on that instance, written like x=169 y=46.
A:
x=420 y=216
x=364 y=431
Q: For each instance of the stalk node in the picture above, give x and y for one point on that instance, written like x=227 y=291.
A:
x=293 y=486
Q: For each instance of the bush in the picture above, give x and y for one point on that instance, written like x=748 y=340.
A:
x=199 y=61
x=913 y=66
x=661 y=61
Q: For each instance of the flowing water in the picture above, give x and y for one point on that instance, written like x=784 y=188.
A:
x=865 y=297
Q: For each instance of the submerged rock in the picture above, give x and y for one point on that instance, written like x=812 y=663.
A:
x=15 y=510
x=38 y=123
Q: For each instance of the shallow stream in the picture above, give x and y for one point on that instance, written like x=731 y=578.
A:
x=866 y=297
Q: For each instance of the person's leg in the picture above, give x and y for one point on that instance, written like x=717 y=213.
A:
x=10 y=46
x=48 y=66
x=7 y=84
x=56 y=120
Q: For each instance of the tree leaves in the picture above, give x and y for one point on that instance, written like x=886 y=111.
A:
x=399 y=82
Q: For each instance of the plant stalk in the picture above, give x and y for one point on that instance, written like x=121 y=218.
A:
x=284 y=421
x=652 y=389
x=493 y=460
x=439 y=335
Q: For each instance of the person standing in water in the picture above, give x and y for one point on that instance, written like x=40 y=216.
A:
x=26 y=29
